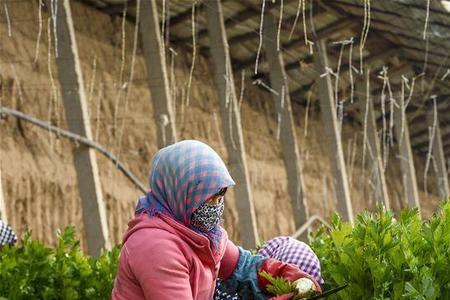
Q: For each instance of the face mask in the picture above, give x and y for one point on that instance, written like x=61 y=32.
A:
x=207 y=216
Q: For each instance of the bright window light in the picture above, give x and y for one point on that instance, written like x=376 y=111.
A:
x=446 y=4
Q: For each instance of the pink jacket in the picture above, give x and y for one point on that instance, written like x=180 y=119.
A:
x=163 y=259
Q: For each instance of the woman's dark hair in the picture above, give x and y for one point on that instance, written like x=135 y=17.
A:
x=221 y=192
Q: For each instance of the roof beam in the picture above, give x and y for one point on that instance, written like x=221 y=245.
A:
x=405 y=156
x=438 y=153
x=158 y=82
x=333 y=137
x=286 y=131
x=231 y=122
x=77 y=117
x=373 y=142
x=3 y=215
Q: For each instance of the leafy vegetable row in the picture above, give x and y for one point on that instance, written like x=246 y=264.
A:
x=381 y=257
x=34 y=271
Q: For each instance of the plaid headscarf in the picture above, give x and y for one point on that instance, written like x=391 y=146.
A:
x=182 y=177
x=289 y=250
x=7 y=235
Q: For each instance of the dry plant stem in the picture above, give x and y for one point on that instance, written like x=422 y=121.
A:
x=163 y=19
x=435 y=78
x=366 y=116
x=383 y=114
x=297 y=15
x=241 y=92
x=167 y=23
x=230 y=102
x=305 y=33
x=54 y=16
x=92 y=81
x=194 y=54
x=427 y=17
x=122 y=68
x=338 y=70
x=172 y=82
x=131 y=76
x=97 y=118
x=432 y=133
x=391 y=114
x=308 y=105
x=353 y=159
x=38 y=40
x=261 y=83
x=279 y=113
x=8 y=20
x=76 y=138
x=411 y=91
x=280 y=21
x=261 y=26
x=350 y=73
x=445 y=75
x=425 y=59
x=365 y=32
x=54 y=96
x=402 y=95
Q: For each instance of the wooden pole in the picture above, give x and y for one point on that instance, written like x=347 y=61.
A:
x=3 y=215
x=405 y=155
x=77 y=116
x=438 y=154
x=330 y=123
x=231 y=121
x=373 y=141
x=286 y=132
x=155 y=60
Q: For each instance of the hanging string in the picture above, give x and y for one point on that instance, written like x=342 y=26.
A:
x=261 y=29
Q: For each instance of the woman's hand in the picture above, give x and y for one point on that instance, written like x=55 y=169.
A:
x=283 y=297
x=287 y=271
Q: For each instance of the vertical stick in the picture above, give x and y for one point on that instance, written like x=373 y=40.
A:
x=77 y=116
x=3 y=215
x=158 y=82
x=405 y=154
x=373 y=142
x=438 y=154
x=329 y=118
x=231 y=121
x=287 y=136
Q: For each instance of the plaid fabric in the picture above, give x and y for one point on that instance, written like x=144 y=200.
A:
x=7 y=235
x=182 y=177
x=292 y=251
x=222 y=294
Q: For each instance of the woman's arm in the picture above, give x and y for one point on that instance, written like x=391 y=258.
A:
x=229 y=261
x=245 y=278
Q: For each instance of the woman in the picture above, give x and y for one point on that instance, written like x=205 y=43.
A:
x=282 y=248
x=7 y=235
x=175 y=247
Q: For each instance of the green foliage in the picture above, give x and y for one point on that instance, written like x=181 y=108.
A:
x=384 y=258
x=281 y=286
x=34 y=271
x=278 y=285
